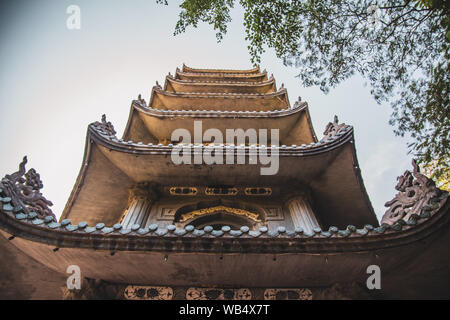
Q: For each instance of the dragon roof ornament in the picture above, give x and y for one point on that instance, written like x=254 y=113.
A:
x=333 y=128
x=22 y=189
x=418 y=196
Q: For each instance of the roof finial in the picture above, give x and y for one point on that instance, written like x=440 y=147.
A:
x=417 y=195
x=336 y=120
x=141 y=100
x=333 y=128
x=23 y=190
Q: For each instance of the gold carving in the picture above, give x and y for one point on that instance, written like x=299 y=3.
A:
x=287 y=294
x=183 y=191
x=218 y=294
x=221 y=191
x=148 y=293
x=201 y=212
x=258 y=191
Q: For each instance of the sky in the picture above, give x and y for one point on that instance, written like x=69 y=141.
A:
x=55 y=81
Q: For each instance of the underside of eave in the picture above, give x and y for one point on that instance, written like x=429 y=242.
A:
x=142 y=126
x=96 y=195
x=423 y=249
x=339 y=193
x=97 y=199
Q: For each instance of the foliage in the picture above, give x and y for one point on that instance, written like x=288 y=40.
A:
x=431 y=169
x=400 y=47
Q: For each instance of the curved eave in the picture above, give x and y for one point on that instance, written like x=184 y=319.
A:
x=95 y=205
x=139 y=255
x=165 y=100
x=319 y=165
x=176 y=85
x=257 y=77
x=153 y=125
x=245 y=71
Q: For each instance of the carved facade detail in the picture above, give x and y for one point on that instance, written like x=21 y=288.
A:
x=212 y=210
x=258 y=191
x=218 y=294
x=288 y=294
x=221 y=191
x=104 y=126
x=183 y=191
x=415 y=196
x=140 y=200
x=23 y=187
x=148 y=293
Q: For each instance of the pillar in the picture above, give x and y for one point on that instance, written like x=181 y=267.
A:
x=139 y=204
x=302 y=214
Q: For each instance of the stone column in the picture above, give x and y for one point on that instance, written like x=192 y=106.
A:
x=302 y=214
x=139 y=204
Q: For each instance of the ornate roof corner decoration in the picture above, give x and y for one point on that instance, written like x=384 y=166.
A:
x=104 y=127
x=142 y=100
x=19 y=193
x=418 y=197
x=298 y=103
x=333 y=128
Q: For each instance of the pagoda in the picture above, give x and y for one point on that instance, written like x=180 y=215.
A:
x=258 y=207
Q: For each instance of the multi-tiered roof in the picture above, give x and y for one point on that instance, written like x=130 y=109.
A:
x=221 y=99
x=104 y=230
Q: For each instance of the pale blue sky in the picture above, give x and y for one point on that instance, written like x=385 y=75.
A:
x=55 y=81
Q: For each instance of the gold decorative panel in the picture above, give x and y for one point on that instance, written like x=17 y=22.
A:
x=258 y=191
x=212 y=210
x=221 y=191
x=183 y=191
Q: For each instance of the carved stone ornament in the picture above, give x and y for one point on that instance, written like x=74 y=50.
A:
x=288 y=294
x=141 y=100
x=148 y=293
x=416 y=196
x=104 y=126
x=333 y=128
x=22 y=187
x=218 y=294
